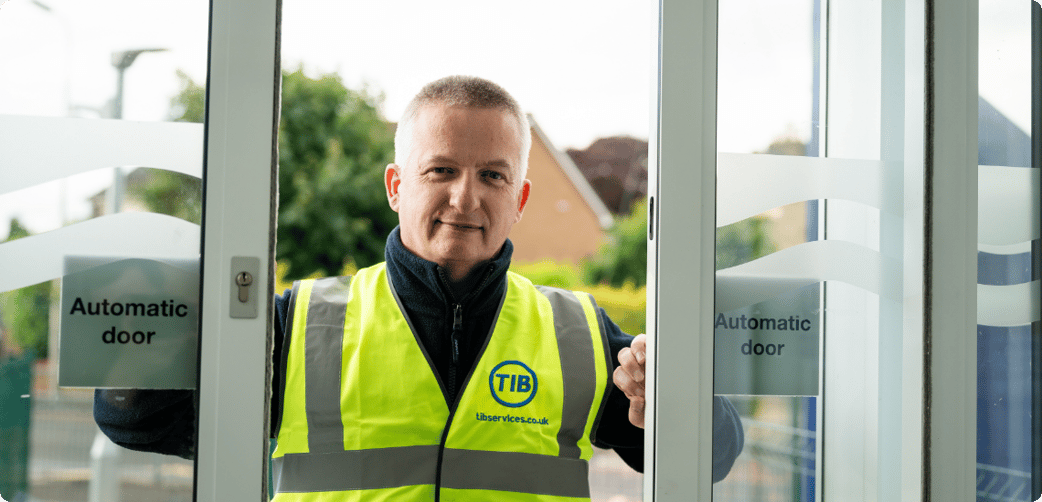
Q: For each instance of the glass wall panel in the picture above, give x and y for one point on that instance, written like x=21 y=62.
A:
x=769 y=320
x=93 y=166
x=1008 y=253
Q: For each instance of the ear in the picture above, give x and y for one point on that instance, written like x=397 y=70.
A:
x=392 y=178
x=522 y=199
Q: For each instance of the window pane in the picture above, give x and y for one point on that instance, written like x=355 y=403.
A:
x=78 y=180
x=1008 y=257
x=765 y=217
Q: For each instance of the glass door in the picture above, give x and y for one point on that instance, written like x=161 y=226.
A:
x=138 y=170
x=101 y=179
x=838 y=143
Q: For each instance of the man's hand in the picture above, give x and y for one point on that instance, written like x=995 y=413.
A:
x=629 y=378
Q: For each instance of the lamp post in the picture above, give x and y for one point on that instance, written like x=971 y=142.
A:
x=121 y=61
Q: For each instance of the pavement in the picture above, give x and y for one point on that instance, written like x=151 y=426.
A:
x=63 y=432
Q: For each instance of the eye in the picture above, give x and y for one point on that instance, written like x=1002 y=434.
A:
x=494 y=175
x=441 y=170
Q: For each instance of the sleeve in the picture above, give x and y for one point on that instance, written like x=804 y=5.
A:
x=163 y=421
x=160 y=421
x=615 y=431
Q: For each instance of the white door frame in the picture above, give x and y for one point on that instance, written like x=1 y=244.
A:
x=240 y=206
x=682 y=255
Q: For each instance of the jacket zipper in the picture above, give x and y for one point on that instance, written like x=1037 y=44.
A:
x=457 y=328
x=457 y=331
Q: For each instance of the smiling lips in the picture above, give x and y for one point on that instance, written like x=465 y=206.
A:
x=460 y=226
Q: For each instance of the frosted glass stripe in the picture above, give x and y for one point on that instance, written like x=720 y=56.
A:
x=805 y=264
x=36 y=150
x=749 y=184
x=1015 y=305
x=1008 y=205
x=1018 y=248
x=41 y=257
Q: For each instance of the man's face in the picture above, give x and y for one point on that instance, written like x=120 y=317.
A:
x=460 y=191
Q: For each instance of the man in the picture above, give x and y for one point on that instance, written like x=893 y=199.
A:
x=437 y=373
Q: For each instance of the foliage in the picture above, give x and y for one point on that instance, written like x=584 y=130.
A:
x=624 y=257
x=168 y=192
x=333 y=147
x=284 y=282
x=190 y=103
x=742 y=242
x=549 y=273
x=625 y=305
x=25 y=310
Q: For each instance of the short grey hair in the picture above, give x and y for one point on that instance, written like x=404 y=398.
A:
x=459 y=90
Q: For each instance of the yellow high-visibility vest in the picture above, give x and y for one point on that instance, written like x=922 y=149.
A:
x=365 y=418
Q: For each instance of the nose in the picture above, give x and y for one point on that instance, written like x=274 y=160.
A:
x=463 y=196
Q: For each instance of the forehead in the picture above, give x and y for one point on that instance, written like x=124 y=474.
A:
x=469 y=133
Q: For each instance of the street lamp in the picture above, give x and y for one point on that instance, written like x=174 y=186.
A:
x=122 y=60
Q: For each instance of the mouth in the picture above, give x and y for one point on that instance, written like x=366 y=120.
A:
x=460 y=226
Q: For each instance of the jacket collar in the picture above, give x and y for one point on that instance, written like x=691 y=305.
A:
x=418 y=280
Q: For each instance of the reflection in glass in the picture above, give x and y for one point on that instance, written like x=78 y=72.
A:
x=1007 y=260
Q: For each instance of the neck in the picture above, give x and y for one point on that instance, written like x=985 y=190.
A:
x=459 y=273
x=462 y=282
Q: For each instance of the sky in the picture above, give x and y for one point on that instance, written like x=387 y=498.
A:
x=583 y=68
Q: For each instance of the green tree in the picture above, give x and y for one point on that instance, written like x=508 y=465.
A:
x=742 y=242
x=190 y=103
x=168 y=192
x=333 y=147
x=624 y=257
x=25 y=310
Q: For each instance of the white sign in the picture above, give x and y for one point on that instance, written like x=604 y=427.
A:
x=769 y=348
x=129 y=323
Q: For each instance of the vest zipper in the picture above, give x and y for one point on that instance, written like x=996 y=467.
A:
x=457 y=329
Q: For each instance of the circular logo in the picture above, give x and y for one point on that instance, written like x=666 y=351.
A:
x=513 y=384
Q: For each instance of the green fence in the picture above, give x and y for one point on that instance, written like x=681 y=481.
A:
x=15 y=382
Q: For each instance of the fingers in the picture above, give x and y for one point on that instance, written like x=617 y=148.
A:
x=628 y=363
x=636 y=415
x=629 y=377
x=639 y=347
x=633 y=362
x=626 y=384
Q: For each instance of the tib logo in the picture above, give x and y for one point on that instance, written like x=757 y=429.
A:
x=513 y=384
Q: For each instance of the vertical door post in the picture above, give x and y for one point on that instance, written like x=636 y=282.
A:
x=950 y=317
x=239 y=189
x=682 y=254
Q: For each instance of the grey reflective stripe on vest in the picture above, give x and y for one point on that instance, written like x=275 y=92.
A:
x=323 y=350
x=355 y=470
x=515 y=472
x=578 y=368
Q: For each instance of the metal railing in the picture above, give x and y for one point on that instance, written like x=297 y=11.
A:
x=996 y=483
